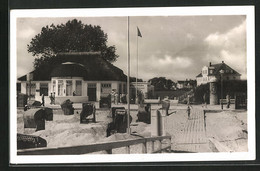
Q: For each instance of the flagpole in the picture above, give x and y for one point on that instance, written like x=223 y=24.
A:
x=128 y=79
x=137 y=70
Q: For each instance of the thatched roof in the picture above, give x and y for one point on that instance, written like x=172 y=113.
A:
x=89 y=65
x=69 y=69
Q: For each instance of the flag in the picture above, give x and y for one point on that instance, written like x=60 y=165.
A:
x=138 y=32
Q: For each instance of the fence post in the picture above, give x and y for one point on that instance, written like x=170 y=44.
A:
x=155 y=123
x=144 y=147
x=170 y=141
x=160 y=145
x=127 y=148
x=152 y=146
x=163 y=122
x=109 y=151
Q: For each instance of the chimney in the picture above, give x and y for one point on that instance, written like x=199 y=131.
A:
x=210 y=64
x=222 y=62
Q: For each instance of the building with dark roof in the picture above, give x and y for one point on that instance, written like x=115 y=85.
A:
x=78 y=76
x=212 y=72
x=186 y=84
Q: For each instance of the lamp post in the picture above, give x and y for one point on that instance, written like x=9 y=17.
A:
x=221 y=75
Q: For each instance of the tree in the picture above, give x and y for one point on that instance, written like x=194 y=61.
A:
x=70 y=37
x=161 y=83
x=133 y=79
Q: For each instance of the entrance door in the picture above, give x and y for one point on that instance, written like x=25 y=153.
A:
x=92 y=95
x=44 y=89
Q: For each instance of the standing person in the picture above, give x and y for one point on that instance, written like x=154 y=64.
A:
x=43 y=99
x=188 y=111
x=116 y=98
x=204 y=100
x=228 y=100
x=188 y=101
x=53 y=97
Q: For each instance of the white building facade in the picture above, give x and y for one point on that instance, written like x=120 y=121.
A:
x=212 y=72
x=75 y=82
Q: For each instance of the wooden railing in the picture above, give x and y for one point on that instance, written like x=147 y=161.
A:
x=224 y=101
x=108 y=147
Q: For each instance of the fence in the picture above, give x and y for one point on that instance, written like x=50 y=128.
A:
x=108 y=147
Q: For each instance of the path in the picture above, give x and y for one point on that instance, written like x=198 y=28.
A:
x=188 y=135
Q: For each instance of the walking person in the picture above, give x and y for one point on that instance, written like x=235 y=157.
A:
x=43 y=100
x=228 y=100
x=204 y=100
x=51 y=98
x=188 y=101
x=188 y=111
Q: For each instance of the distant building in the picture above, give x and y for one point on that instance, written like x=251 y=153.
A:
x=82 y=76
x=186 y=84
x=212 y=72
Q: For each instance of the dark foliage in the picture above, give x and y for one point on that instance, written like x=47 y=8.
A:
x=70 y=37
x=200 y=91
x=133 y=79
x=231 y=87
x=161 y=83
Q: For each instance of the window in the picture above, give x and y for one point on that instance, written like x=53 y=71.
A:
x=60 y=87
x=68 y=87
x=91 y=85
x=30 y=89
x=105 y=89
x=211 y=71
x=78 y=88
x=105 y=85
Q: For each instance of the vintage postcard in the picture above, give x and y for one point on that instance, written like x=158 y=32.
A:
x=132 y=85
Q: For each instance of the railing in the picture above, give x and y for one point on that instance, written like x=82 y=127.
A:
x=108 y=147
x=224 y=101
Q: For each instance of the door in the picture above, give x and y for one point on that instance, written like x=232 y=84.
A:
x=92 y=92
x=44 y=89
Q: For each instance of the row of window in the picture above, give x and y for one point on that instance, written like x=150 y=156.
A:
x=68 y=90
x=211 y=71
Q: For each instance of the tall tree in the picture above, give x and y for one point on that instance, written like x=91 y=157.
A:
x=161 y=83
x=74 y=36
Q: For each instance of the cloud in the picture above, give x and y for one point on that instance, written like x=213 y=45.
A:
x=179 y=62
x=234 y=38
x=229 y=47
x=190 y=36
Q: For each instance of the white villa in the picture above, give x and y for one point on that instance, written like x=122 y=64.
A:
x=212 y=72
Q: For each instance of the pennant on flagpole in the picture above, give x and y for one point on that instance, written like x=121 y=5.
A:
x=138 y=32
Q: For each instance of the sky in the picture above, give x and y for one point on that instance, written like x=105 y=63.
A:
x=175 y=47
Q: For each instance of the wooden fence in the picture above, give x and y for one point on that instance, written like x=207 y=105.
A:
x=108 y=147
